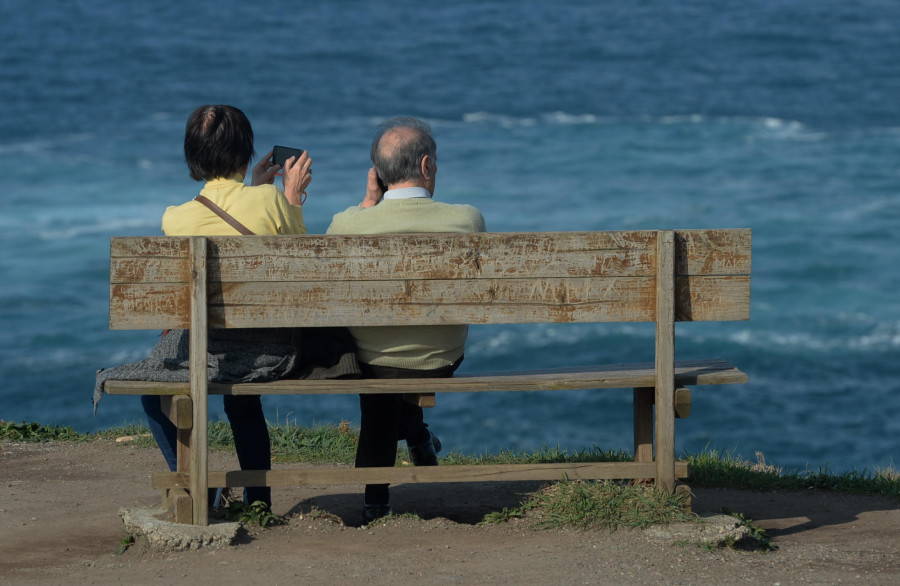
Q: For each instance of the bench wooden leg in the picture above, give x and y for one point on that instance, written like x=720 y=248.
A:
x=643 y=424
x=181 y=505
x=179 y=409
x=643 y=419
x=423 y=400
x=682 y=402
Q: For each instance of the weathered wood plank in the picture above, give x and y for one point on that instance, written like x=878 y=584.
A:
x=384 y=302
x=642 y=408
x=665 y=361
x=180 y=505
x=431 y=256
x=713 y=252
x=424 y=400
x=149 y=307
x=179 y=410
x=417 y=474
x=198 y=360
x=429 y=302
x=495 y=256
x=162 y=246
x=714 y=298
x=682 y=402
x=409 y=256
x=612 y=376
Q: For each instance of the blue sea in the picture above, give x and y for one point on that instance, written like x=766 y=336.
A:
x=782 y=117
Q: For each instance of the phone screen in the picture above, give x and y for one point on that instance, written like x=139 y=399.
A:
x=280 y=154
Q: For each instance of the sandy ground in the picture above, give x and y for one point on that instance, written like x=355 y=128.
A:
x=59 y=524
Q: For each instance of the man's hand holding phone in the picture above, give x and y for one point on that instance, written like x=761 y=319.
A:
x=375 y=189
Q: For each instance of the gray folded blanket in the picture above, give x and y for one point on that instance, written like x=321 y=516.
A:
x=244 y=356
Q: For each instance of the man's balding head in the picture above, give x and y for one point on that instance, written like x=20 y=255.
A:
x=398 y=150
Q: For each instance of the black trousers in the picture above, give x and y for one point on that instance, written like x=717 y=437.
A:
x=387 y=419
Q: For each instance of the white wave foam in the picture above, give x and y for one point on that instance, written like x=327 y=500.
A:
x=550 y=118
x=881 y=339
x=565 y=118
x=855 y=338
x=686 y=119
x=501 y=342
x=501 y=119
x=769 y=126
x=761 y=128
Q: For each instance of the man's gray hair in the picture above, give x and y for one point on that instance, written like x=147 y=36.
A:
x=402 y=163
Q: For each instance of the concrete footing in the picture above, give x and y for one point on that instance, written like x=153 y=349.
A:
x=168 y=536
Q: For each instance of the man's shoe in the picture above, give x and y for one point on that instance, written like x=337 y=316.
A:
x=373 y=512
x=425 y=453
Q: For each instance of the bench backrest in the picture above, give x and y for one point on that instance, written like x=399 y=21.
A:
x=410 y=279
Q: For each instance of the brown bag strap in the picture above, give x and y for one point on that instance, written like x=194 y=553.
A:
x=224 y=215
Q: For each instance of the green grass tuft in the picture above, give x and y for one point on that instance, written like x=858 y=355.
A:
x=36 y=433
x=256 y=513
x=714 y=469
x=583 y=504
x=124 y=544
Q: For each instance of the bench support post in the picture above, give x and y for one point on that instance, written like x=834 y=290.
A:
x=665 y=360
x=643 y=424
x=179 y=410
x=198 y=360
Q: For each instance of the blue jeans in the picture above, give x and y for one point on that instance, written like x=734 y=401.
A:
x=248 y=425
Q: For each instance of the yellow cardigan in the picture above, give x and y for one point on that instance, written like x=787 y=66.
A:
x=263 y=209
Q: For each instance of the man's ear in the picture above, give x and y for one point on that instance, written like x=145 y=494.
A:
x=426 y=167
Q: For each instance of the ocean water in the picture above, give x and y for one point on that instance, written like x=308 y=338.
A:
x=782 y=117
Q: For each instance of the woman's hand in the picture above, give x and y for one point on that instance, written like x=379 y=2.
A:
x=264 y=171
x=297 y=177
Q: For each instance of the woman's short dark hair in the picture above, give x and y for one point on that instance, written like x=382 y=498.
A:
x=218 y=142
x=403 y=163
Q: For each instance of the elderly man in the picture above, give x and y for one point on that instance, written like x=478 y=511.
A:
x=398 y=199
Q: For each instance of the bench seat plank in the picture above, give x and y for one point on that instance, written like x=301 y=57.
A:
x=687 y=373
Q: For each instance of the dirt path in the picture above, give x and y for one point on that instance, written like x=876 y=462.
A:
x=59 y=524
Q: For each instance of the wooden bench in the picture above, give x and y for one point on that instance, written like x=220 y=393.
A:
x=561 y=277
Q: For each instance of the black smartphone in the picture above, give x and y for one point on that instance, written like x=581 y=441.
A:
x=381 y=184
x=280 y=154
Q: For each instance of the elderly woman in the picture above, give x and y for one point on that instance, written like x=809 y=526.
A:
x=218 y=148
